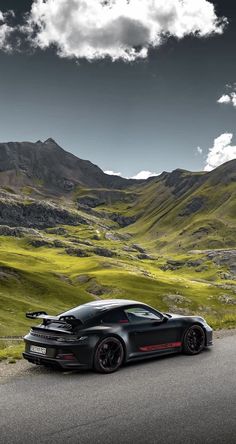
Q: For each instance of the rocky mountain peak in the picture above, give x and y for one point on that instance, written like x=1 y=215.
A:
x=47 y=166
x=50 y=141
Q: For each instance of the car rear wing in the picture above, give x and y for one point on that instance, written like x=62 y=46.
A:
x=36 y=314
x=47 y=319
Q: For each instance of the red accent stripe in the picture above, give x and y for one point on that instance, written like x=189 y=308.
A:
x=160 y=346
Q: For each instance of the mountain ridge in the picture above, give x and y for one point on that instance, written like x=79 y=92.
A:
x=69 y=233
x=22 y=156
x=164 y=211
x=28 y=163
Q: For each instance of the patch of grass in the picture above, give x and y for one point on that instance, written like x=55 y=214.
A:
x=27 y=190
x=227 y=321
x=11 y=351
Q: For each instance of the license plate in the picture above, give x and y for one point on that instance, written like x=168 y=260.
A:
x=36 y=349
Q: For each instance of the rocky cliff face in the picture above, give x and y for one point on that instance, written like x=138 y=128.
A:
x=36 y=214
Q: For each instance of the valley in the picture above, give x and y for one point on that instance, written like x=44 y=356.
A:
x=70 y=233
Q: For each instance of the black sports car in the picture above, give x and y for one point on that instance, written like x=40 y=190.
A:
x=105 y=334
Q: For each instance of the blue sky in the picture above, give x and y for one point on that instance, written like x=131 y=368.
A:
x=154 y=108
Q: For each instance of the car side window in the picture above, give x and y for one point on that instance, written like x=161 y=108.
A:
x=141 y=314
x=115 y=317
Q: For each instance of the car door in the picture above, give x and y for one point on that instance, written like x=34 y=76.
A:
x=149 y=333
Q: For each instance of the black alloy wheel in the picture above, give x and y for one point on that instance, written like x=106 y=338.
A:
x=194 y=340
x=109 y=355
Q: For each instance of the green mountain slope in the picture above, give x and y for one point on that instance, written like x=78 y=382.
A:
x=33 y=278
x=184 y=210
x=69 y=233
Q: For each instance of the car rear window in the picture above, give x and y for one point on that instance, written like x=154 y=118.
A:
x=83 y=313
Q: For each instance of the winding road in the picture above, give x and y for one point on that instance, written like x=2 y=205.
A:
x=176 y=399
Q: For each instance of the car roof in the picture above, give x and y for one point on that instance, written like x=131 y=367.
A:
x=93 y=309
x=110 y=303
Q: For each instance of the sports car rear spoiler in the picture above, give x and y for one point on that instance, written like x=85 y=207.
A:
x=47 y=319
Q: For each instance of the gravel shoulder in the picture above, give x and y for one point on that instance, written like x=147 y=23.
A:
x=23 y=368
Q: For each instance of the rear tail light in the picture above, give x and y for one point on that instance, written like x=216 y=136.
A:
x=60 y=339
x=66 y=356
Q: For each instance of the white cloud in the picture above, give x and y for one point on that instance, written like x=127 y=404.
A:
x=144 y=175
x=141 y=175
x=224 y=99
x=112 y=173
x=233 y=99
x=229 y=98
x=199 y=150
x=119 y=29
x=5 y=31
x=221 y=152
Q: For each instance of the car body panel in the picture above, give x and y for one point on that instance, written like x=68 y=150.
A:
x=74 y=347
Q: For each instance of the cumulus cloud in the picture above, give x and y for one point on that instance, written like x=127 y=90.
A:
x=224 y=99
x=141 y=175
x=230 y=97
x=5 y=30
x=119 y=29
x=112 y=173
x=221 y=152
x=199 y=150
x=233 y=99
x=144 y=175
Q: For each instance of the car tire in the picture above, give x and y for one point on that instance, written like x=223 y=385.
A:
x=109 y=355
x=194 y=340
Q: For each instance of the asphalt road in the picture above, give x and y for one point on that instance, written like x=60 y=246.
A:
x=176 y=399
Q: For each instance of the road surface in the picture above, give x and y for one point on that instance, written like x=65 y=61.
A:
x=176 y=399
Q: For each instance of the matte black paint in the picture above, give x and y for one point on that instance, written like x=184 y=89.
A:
x=167 y=335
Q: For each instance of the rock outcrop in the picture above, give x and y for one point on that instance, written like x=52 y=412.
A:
x=36 y=214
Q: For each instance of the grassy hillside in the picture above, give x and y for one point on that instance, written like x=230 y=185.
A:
x=191 y=211
x=137 y=240
x=49 y=279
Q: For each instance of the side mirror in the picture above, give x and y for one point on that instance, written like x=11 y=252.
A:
x=165 y=318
